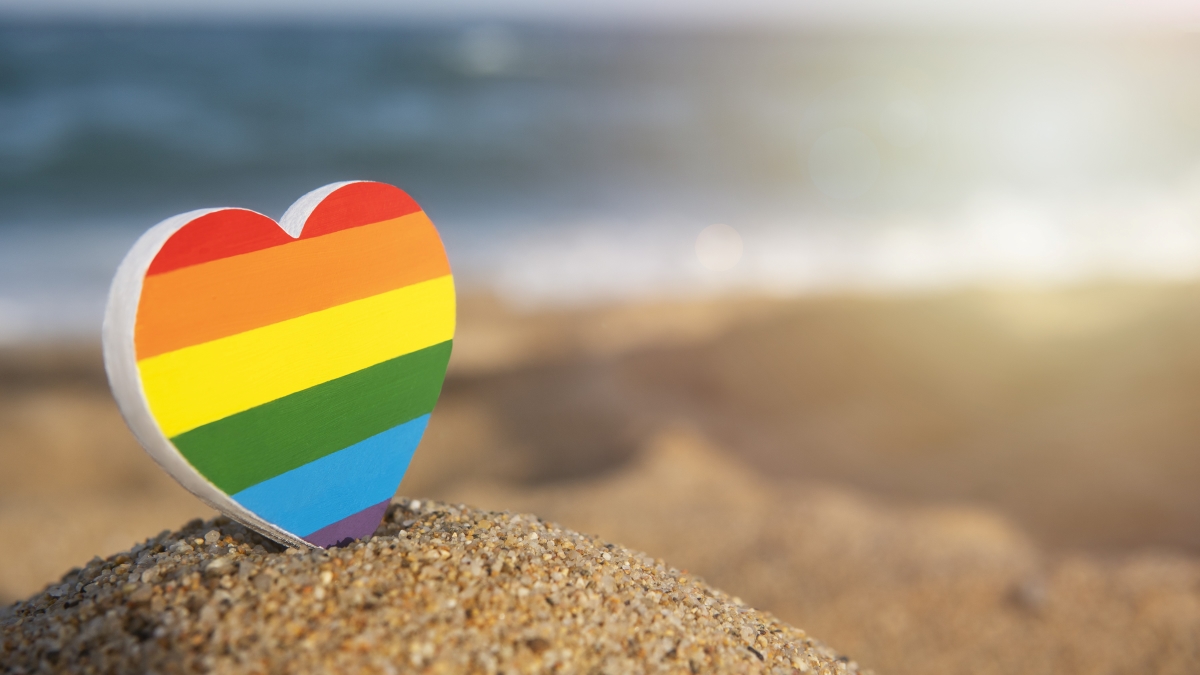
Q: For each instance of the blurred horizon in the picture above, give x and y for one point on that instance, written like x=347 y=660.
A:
x=566 y=164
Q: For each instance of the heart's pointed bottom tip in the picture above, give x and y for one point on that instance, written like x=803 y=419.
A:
x=352 y=527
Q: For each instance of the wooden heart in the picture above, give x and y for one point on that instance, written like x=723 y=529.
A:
x=284 y=372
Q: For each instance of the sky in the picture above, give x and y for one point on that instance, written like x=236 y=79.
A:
x=1104 y=14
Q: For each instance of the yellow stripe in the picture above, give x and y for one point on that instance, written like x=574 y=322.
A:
x=203 y=383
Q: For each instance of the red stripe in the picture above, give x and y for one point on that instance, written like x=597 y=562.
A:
x=358 y=204
x=216 y=235
x=230 y=232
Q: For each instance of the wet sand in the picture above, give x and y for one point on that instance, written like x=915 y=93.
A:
x=971 y=482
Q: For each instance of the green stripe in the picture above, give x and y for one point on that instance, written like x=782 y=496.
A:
x=251 y=446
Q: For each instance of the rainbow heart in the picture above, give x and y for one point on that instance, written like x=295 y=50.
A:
x=284 y=372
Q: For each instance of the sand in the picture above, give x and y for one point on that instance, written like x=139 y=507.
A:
x=904 y=589
x=1076 y=413
x=440 y=588
x=966 y=482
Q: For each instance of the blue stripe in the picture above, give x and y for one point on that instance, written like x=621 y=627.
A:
x=338 y=485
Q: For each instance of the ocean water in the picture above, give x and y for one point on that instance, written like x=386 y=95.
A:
x=569 y=166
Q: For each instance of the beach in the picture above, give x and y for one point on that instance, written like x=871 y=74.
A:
x=982 y=481
x=886 y=330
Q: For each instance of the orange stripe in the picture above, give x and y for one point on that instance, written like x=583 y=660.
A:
x=197 y=304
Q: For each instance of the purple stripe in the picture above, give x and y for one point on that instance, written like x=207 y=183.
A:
x=346 y=530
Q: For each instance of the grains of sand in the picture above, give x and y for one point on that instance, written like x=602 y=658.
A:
x=440 y=589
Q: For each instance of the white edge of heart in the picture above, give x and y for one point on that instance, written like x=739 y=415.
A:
x=120 y=360
x=296 y=216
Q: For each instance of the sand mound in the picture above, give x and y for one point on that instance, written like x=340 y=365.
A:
x=440 y=589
